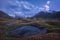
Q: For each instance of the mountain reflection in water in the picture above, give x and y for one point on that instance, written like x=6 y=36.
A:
x=28 y=31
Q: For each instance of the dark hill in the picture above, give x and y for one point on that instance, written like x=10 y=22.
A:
x=4 y=15
x=54 y=15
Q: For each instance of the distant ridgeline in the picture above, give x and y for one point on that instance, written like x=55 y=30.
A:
x=54 y=15
x=42 y=14
x=4 y=15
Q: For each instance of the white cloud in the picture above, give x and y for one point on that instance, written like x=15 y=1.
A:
x=12 y=15
x=18 y=8
x=48 y=2
x=19 y=13
x=41 y=9
x=45 y=7
x=23 y=8
x=27 y=5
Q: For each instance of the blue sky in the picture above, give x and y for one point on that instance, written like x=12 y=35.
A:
x=55 y=4
x=27 y=8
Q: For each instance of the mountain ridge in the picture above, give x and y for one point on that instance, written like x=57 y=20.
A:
x=42 y=14
x=4 y=15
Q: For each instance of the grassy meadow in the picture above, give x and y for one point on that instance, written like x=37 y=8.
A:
x=7 y=25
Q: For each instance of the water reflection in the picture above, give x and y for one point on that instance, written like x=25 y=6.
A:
x=28 y=31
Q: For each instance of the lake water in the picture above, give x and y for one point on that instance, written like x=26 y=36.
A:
x=28 y=31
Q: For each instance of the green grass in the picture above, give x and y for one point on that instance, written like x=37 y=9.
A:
x=53 y=24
